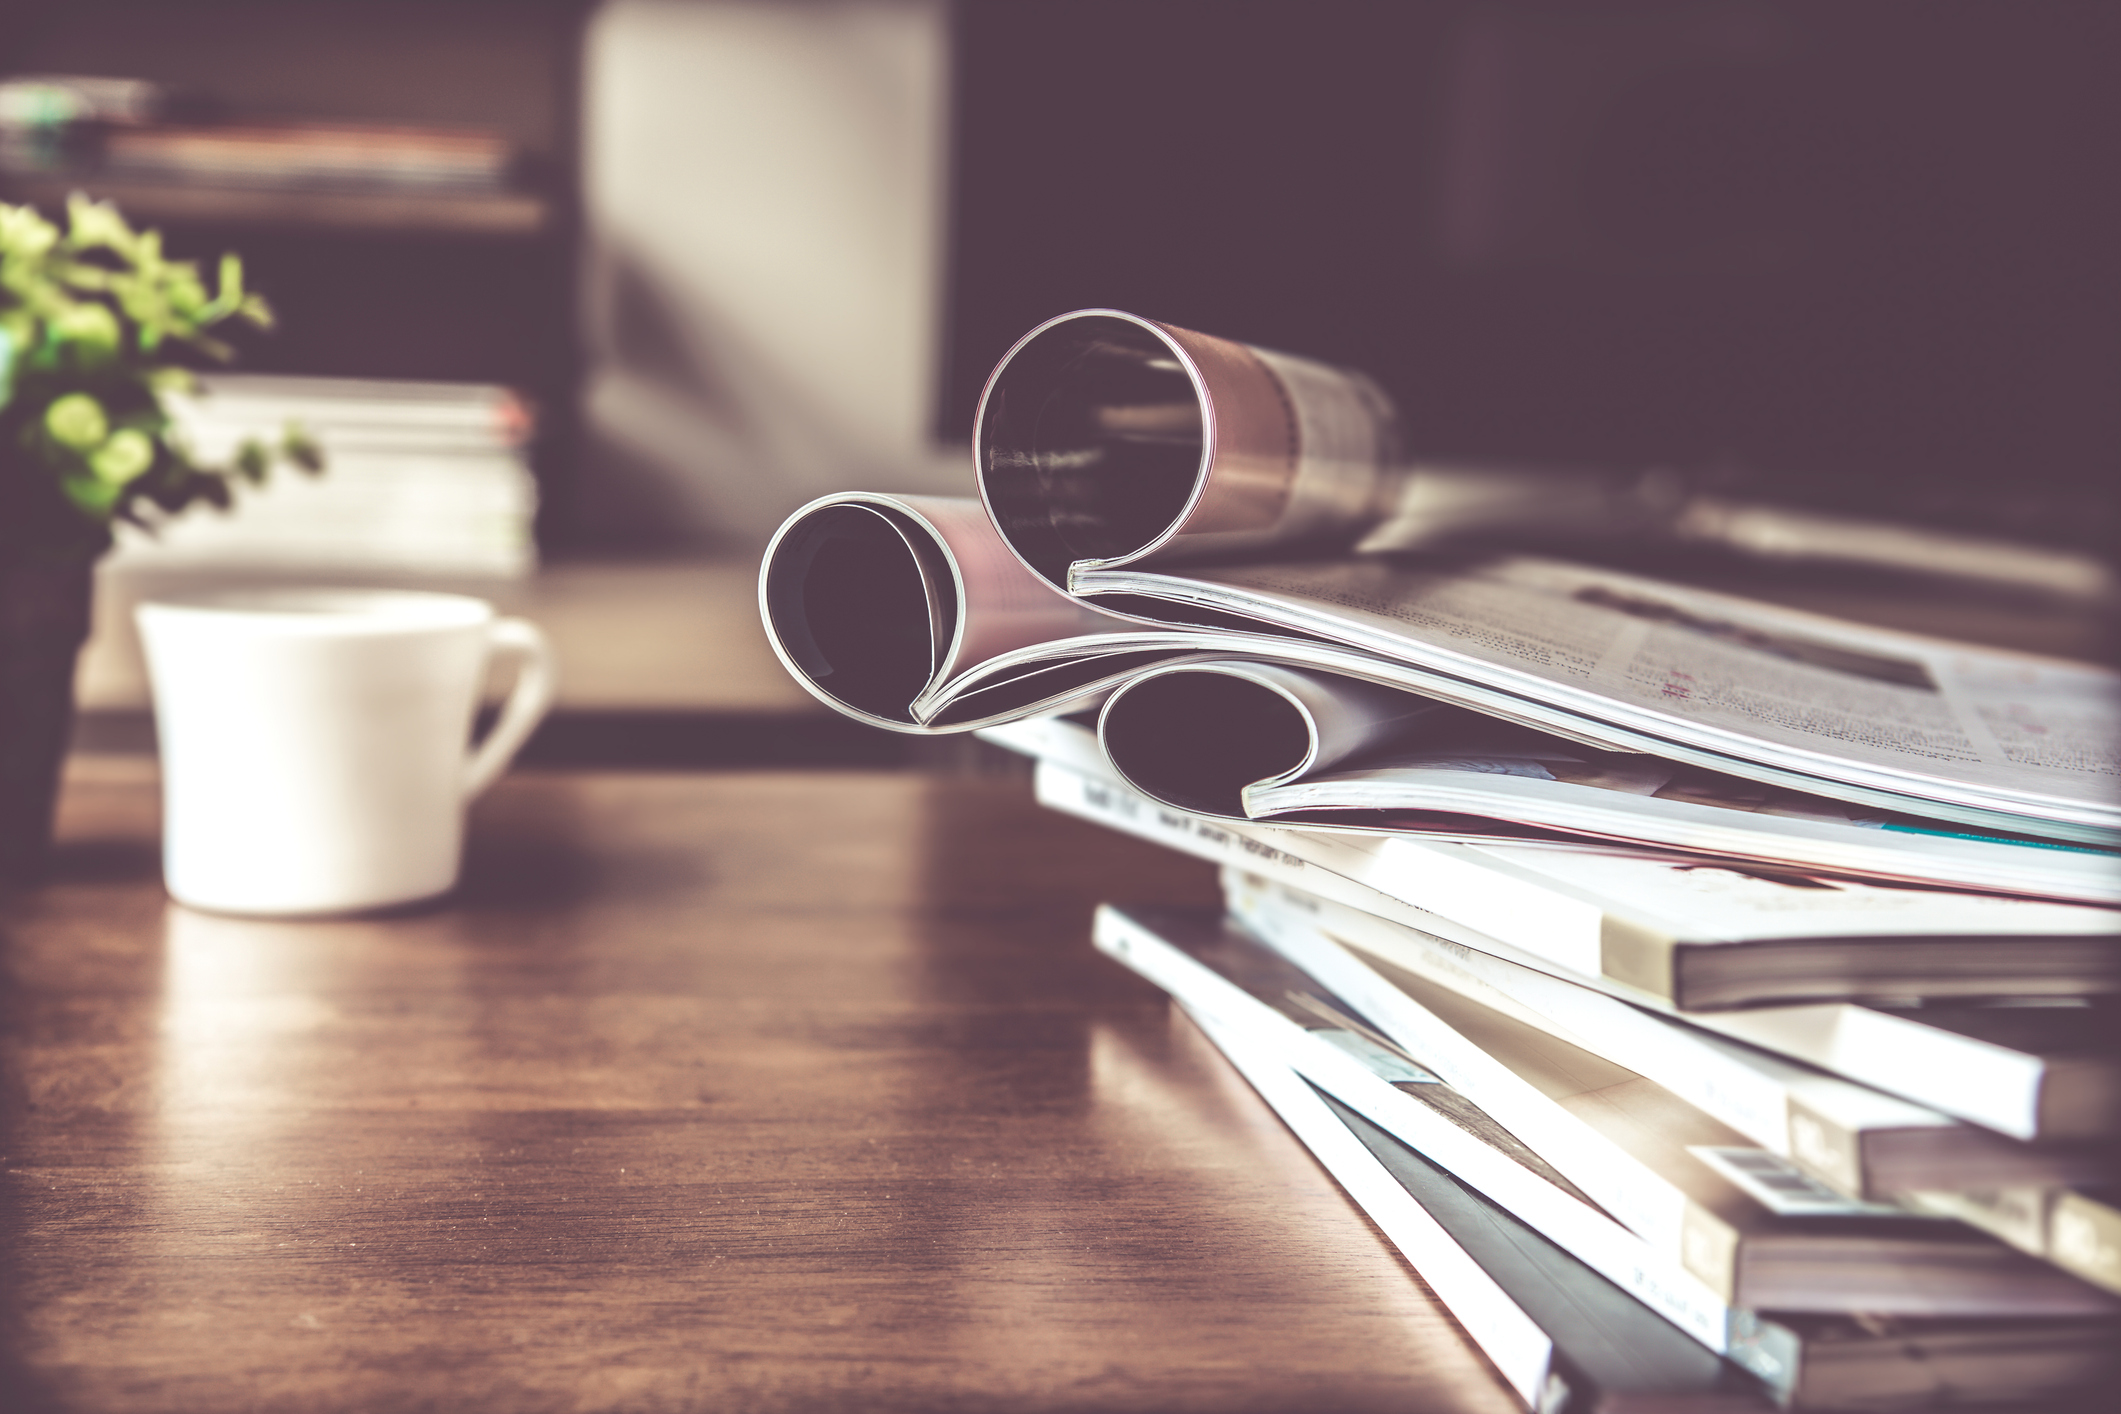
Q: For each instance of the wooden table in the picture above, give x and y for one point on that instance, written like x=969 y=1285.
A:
x=714 y=1092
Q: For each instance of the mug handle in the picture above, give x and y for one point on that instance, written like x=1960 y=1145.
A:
x=526 y=705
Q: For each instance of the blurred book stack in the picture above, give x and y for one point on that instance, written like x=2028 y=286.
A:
x=324 y=156
x=1716 y=1003
x=48 y=121
x=165 y=155
x=421 y=479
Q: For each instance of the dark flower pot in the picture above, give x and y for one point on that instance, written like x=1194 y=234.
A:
x=44 y=618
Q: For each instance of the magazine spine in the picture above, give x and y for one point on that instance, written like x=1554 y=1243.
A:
x=2077 y=1232
x=1820 y=1122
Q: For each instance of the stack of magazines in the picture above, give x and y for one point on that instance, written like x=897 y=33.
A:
x=1714 y=1002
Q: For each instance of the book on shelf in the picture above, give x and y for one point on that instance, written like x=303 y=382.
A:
x=1564 y=1337
x=310 y=155
x=170 y=157
x=46 y=119
x=45 y=101
x=137 y=131
x=422 y=479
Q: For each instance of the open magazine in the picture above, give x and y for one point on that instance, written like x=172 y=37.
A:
x=1292 y=746
x=1154 y=498
x=910 y=613
x=1772 y=694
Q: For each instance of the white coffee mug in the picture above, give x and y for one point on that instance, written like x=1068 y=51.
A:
x=315 y=743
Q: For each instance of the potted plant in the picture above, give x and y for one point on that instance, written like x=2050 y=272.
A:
x=97 y=327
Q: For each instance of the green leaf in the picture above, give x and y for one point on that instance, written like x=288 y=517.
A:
x=302 y=449
x=89 y=310
x=25 y=233
x=253 y=461
x=84 y=277
x=171 y=379
x=128 y=453
x=229 y=299
x=97 y=223
x=90 y=331
x=91 y=494
x=77 y=421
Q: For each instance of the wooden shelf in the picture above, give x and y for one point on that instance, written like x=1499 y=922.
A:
x=505 y=214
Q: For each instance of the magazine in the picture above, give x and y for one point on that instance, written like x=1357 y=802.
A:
x=1561 y=1337
x=912 y=614
x=1867 y=713
x=1670 y=933
x=1263 y=741
x=1855 y=1140
x=1539 y=1292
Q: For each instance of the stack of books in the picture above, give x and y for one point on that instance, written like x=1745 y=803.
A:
x=313 y=156
x=420 y=479
x=120 y=129
x=47 y=121
x=1715 y=1003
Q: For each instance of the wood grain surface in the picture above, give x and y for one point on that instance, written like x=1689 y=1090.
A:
x=708 y=1092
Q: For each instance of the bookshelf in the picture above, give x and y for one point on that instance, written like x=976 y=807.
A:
x=508 y=215
x=374 y=282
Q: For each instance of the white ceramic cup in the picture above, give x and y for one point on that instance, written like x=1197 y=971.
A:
x=316 y=752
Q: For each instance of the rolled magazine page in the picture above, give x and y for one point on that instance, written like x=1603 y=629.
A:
x=1106 y=439
x=1197 y=735
x=870 y=600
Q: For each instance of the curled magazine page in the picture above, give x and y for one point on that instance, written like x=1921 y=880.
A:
x=1103 y=438
x=1197 y=735
x=870 y=600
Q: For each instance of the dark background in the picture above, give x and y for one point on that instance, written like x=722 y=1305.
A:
x=1845 y=255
